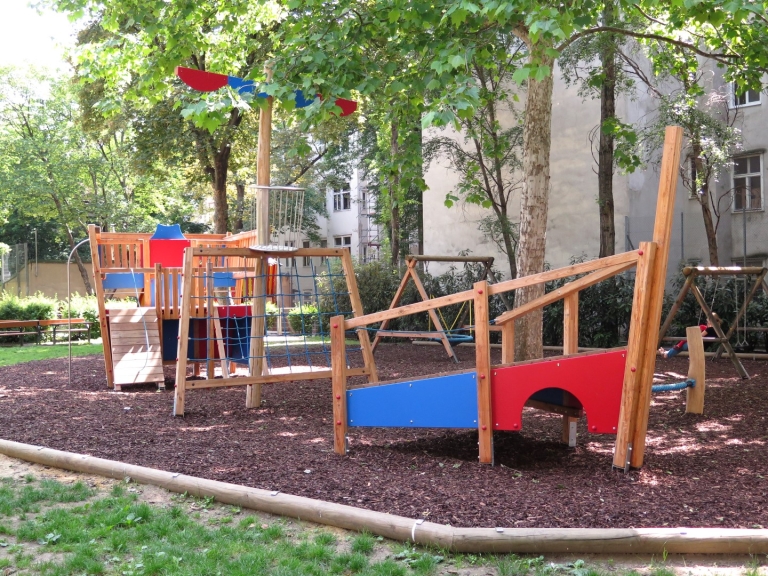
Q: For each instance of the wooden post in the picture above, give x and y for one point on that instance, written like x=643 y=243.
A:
x=183 y=346
x=210 y=332
x=395 y=300
x=694 y=397
x=263 y=169
x=258 y=333
x=638 y=326
x=508 y=342
x=570 y=346
x=339 y=385
x=93 y=236
x=357 y=310
x=662 y=234
x=483 y=367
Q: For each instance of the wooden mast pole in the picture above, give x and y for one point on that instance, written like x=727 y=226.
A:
x=253 y=393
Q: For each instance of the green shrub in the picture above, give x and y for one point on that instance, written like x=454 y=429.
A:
x=85 y=307
x=272 y=312
x=37 y=307
x=303 y=319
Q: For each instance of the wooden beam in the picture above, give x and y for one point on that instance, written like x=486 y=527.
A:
x=722 y=270
x=483 y=367
x=357 y=310
x=271 y=378
x=565 y=272
x=507 y=342
x=94 y=233
x=570 y=346
x=426 y=258
x=676 y=306
x=258 y=332
x=183 y=345
x=638 y=325
x=441 y=335
x=339 y=384
x=694 y=397
x=567 y=289
x=662 y=235
x=409 y=309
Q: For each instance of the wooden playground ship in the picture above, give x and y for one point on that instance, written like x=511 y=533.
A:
x=202 y=302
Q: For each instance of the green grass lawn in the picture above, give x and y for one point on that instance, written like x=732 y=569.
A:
x=17 y=354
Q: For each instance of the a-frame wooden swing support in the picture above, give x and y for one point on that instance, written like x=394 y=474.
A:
x=691 y=274
x=411 y=273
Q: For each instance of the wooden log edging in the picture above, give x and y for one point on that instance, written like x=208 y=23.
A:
x=470 y=540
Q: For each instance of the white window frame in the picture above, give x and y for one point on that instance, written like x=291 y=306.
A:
x=748 y=175
x=747 y=103
x=306 y=259
x=342 y=200
x=344 y=241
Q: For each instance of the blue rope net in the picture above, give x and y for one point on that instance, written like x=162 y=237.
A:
x=308 y=291
x=690 y=383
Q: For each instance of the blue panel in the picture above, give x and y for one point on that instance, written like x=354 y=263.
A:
x=223 y=279
x=441 y=402
x=170 y=338
x=168 y=232
x=122 y=280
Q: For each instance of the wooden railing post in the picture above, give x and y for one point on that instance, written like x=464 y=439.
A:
x=570 y=346
x=483 y=367
x=183 y=345
x=339 y=384
x=694 y=397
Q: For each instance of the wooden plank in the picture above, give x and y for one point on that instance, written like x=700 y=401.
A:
x=339 y=384
x=564 y=272
x=253 y=253
x=571 y=287
x=570 y=346
x=507 y=341
x=637 y=325
x=427 y=258
x=357 y=309
x=409 y=309
x=19 y=323
x=209 y=331
x=662 y=234
x=256 y=348
x=93 y=236
x=483 y=367
x=722 y=270
x=694 y=397
x=307 y=376
x=59 y=321
x=183 y=346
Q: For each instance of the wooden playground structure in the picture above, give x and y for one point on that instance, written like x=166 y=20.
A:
x=612 y=387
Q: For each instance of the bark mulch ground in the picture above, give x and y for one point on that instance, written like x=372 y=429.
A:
x=700 y=470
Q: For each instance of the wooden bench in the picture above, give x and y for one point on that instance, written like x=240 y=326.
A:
x=64 y=324
x=21 y=328
x=18 y=328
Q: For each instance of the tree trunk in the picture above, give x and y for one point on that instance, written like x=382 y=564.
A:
x=394 y=189
x=240 y=207
x=534 y=204
x=219 y=186
x=698 y=172
x=605 y=154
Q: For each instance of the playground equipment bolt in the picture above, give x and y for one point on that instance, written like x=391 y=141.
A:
x=484 y=427
x=633 y=369
x=639 y=252
x=338 y=396
x=480 y=291
x=335 y=325
x=338 y=422
x=482 y=376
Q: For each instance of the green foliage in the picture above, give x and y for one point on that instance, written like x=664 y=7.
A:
x=4 y=249
x=271 y=311
x=85 y=307
x=303 y=319
x=604 y=312
x=37 y=307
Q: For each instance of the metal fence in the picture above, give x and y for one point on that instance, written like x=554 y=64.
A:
x=15 y=272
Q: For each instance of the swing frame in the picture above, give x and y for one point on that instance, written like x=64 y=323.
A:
x=439 y=333
x=691 y=273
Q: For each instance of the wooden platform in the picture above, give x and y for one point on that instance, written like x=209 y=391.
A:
x=135 y=343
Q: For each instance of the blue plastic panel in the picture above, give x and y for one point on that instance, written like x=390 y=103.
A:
x=168 y=232
x=122 y=280
x=440 y=402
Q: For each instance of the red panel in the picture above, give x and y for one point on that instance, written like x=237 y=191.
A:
x=347 y=106
x=202 y=81
x=595 y=379
x=168 y=253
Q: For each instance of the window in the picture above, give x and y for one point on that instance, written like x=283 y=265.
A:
x=747 y=183
x=323 y=244
x=745 y=98
x=342 y=242
x=306 y=260
x=342 y=200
